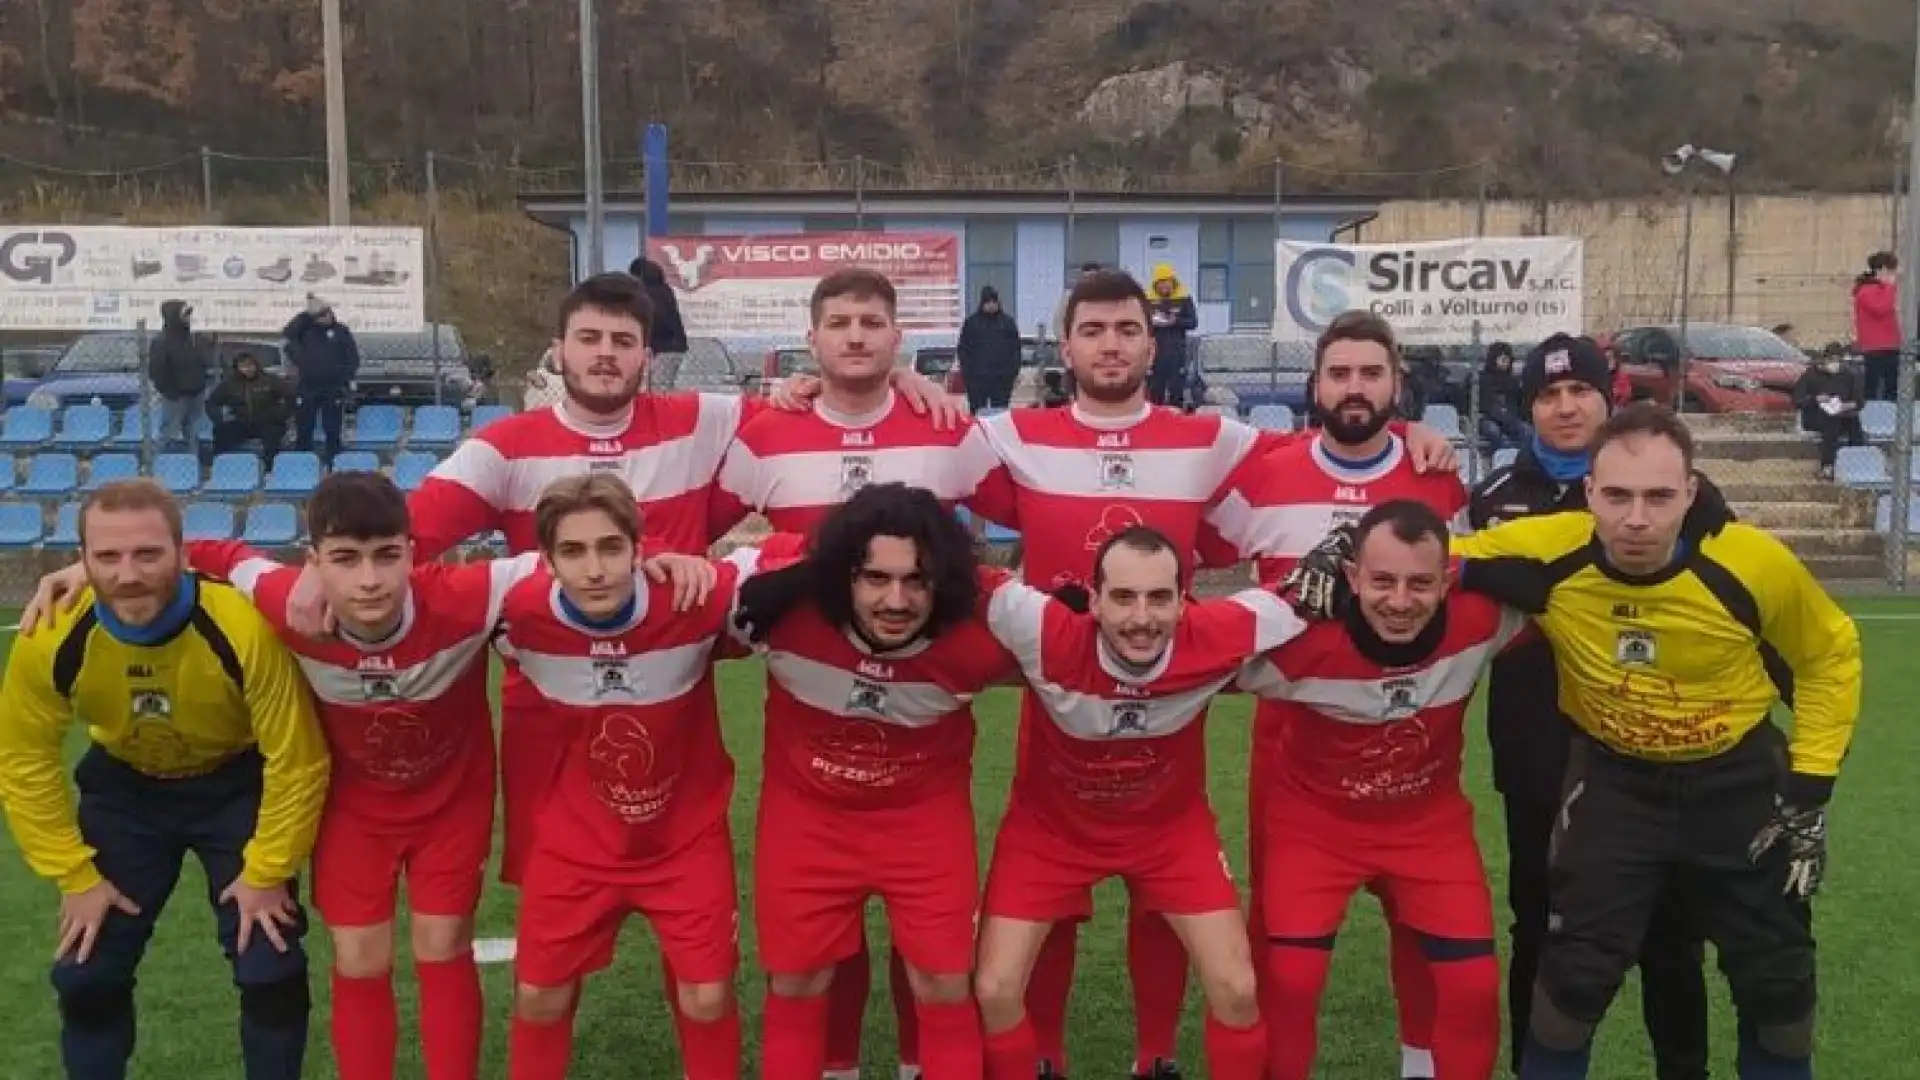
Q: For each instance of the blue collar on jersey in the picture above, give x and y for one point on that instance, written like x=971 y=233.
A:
x=614 y=621
x=171 y=620
x=1558 y=464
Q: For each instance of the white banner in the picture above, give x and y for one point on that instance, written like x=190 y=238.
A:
x=80 y=277
x=1517 y=289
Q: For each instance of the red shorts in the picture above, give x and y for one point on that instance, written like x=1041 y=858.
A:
x=358 y=864
x=570 y=915
x=533 y=743
x=816 y=866
x=1173 y=868
x=1426 y=871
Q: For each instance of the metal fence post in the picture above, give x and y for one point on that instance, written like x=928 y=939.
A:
x=1902 y=495
x=433 y=272
x=859 y=191
x=1686 y=296
x=206 y=183
x=148 y=412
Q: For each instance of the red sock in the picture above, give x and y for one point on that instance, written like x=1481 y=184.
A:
x=1157 y=965
x=1047 y=992
x=539 y=1051
x=954 y=1048
x=711 y=1051
x=451 y=1012
x=1466 y=1018
x=1236 y=1053
x=1013 y=1054
x=906 y=1015
x=793 y=1037
x=847 y=1009
x=1413 y=990
x=1295 y=979
x=366 y=1027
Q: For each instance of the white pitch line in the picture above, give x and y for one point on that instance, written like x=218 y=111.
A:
x=1909 y=617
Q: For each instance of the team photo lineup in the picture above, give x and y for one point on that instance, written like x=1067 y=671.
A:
x=323 y=731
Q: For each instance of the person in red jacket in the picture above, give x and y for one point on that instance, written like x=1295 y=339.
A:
x=1876 y=323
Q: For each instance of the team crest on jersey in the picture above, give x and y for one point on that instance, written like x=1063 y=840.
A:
x=1401 y=696
x=856 y=472
x=379 y=686
x=1127 y=718
x=610 y=677
x=867 y=697
x=606 y=465
x=1116 y=472
x=1635 y=648
x=152 y=705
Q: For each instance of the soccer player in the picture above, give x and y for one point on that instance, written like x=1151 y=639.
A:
x=636 y=818
x=1112 y=783
x=1080 y=476
x=1362 y=789
x=874 y=653
x=1565 y=386
x=203 y=740
x=1277 y=506
x=1676 y=774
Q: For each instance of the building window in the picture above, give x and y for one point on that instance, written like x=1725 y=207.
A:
x=686 y=225
x=1091 y=240
x=1216 y=260
x=1250 y=272
x=993 y=261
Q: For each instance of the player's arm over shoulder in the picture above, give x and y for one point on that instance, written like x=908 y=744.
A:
x=1545 y=537
x=34 y=717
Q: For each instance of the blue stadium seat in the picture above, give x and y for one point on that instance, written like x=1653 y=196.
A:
x=66 y=528
x=126 y=434
x=272 y=525
x=178 y=473
x=207 y=521
x=106 y=468
x=83 y=427
x=7 y=477
x=1877 y=420
x=992 y=533
x=357 y=461
x=1470 y=468
x=410 y=467
x=1272 y=418
x=26 y=426
x=376 y=427
x=435 y=427
x=1862 y=467
x=52 y=474
x=295 y=473
x=487 y=414
x=1444 y=419
x=233 y=476
x=1505 y=457
x=20 y=525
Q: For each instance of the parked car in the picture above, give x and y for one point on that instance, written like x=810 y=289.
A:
x=22 y=368
x=1729 y=368
x=401 y=369
x=1036 y=358
x=105 y=368
x=785 y=360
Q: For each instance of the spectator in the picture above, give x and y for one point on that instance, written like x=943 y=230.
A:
x=1056 y=388
x=1423 y=380
x=543 y=386
x=989 y=354
x=668 y=338
x=1830 y=399
x=251 y=403
x=177 y=364
x=1173 y=317
x=327 y=359
x=1876 y=324
x=1622 y=387
x=1499 y=396
x=1785 y=332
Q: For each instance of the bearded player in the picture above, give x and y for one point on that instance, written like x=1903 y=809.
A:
x=1276 y=508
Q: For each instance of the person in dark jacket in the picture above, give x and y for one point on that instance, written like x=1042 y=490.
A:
x=1830 y=399
x=1172 y=316
x=251 y=403
x=1565 y=388
x=668 y=338
x=177 y=364
x=327 y=358
x=989 y=354
x=1499 y=396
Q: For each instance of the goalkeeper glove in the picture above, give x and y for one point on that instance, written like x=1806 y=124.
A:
x=1074 y=595
x=1317 y=585
x=767 y=596
x=1802 y=829
x=1520 y=584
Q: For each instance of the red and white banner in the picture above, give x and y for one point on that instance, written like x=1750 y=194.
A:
x=760 y=286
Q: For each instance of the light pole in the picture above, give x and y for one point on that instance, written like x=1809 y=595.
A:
x=590 y=138
x=1897 y=539
x=339 y=184
x=1675 y=163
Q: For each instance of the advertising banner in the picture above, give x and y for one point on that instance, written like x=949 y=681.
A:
x=759 y=286
x=97 y=277
x=1518 y=289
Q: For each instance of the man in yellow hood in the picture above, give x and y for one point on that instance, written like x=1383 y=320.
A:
x=1173 y=317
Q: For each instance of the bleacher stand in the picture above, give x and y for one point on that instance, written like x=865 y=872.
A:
x=51 y=474
x=126 y=435
x=1272 y=418
x=7 y=477
x=435 y=427
x=233 y=476
x=1877 y=420
x=1444 y=420
x=410 y=467
x=20 y=525
x=487 y=414
x=357 y=461
x=83 y=427
x=25 y=427
x=178 y=473
x=295 y=474
x=66 y=528
x=1504 y=457
x=106 y=468
x=1862 y=467
x=207 y=521
x=376 y=427
x=272 y=525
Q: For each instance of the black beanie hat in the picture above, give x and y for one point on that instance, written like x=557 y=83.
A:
x=1562 y=357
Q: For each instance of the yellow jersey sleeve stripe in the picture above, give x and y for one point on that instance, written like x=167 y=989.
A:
x=220 y=645
x=71 y=656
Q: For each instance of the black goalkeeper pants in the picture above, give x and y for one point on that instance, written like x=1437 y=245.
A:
x=1631 y=832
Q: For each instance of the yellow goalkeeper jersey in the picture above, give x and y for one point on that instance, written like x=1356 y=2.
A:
x=181 y=706
x=1668 y=667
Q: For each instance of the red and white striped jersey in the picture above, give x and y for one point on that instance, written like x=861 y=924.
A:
x=669 y=451
x=1078 y=479
x=407 y=719
x=1278 y=505
x=863 y=730
x=645 y=770
x=795 y=467
x=1110 y=750
x=1367 y=740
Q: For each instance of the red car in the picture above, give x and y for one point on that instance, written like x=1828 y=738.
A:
x=1728 y=368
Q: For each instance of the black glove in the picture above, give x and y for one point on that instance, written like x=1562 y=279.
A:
x=767 y=596
x=1801 y=824
x=1520 y=584
x=1317 y=585
x=1074 y=595
x=1708 y=514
